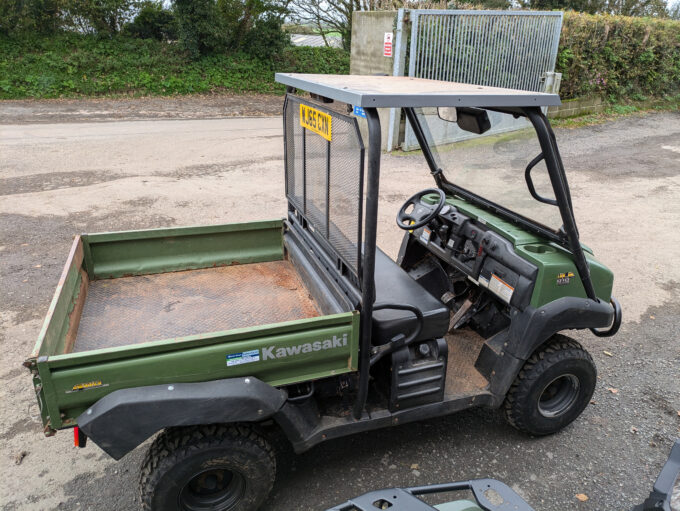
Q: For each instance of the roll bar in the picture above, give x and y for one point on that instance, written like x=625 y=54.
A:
x=558 y=178
x=368 y=273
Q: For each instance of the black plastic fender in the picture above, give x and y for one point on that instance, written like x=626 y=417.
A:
x=503 y=356
x=122 y=420
x=533 y=327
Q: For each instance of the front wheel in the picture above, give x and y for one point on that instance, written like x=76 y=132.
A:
x=219 y=467
x=552 y=389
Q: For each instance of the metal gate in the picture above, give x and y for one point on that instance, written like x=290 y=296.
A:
x=512 y=49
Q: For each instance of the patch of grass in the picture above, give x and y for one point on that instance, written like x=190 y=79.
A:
x=333 y=33
x=622 y=109
x=76 y=65
x=616 y=111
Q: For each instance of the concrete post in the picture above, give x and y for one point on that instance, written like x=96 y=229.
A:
x=367 y=56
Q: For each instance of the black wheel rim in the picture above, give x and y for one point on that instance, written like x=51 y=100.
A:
x=559 y=395
x=216 y=489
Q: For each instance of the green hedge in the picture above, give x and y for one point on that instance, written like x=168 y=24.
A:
x=619 y=57
x=71 y=65
x=616 y=57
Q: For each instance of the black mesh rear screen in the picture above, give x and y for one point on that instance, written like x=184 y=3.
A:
x=324 y=179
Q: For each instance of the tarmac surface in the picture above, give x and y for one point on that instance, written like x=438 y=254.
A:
x=59 y=178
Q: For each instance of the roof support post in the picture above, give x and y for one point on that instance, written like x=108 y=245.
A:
x=368 y=266
x=424 y=145
x=558 y=179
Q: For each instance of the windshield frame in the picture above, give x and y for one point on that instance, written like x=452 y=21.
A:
x=431 y=157
x=568 y=235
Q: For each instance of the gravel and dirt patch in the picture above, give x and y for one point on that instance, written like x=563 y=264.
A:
x=170 y=107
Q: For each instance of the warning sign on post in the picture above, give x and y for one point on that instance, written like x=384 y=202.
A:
x=387 y=45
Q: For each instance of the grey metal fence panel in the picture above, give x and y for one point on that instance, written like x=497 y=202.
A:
x=510 y=49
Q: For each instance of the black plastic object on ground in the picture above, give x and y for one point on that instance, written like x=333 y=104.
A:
x=491 y=495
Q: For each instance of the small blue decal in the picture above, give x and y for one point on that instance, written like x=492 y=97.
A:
x=245 y=357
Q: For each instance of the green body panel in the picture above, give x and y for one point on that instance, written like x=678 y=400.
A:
x=551 y=260
x=508 y=230
x=53 y=332
x=67 y=383
x=204 y=358
x=119 y=254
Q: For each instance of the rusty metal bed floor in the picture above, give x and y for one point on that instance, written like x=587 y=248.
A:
x=132 y=310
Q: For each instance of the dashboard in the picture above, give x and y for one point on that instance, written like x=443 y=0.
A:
x=471 y=247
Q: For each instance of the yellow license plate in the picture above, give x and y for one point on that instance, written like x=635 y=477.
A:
x=316 y=121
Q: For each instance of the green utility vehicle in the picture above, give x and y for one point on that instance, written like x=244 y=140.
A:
x=225 y=338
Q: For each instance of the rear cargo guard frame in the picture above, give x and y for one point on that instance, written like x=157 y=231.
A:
x=366 y=283
x=301 y=195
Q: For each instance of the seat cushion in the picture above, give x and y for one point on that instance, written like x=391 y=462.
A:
x=394 y=285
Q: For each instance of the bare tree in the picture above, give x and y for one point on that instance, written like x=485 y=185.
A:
x=327 y=16
x=655 y=8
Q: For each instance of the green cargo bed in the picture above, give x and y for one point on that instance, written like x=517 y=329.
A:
x=179 y=305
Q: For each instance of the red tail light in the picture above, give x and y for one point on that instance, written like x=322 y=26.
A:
x=79 y=438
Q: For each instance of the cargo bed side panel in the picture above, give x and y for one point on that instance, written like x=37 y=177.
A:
x=120 y=254
x=59 y=328
x=61 y=324
x=296 y=351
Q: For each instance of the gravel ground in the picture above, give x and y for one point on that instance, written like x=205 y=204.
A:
x=170 y=107
x=63 y=178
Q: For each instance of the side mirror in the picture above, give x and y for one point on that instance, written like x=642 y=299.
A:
x=474 y=120
x=447 y=113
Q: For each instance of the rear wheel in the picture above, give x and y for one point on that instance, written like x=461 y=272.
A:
x=552 y=389
x=220 y=468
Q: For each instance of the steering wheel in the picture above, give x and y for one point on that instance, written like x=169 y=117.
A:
x=404 y=219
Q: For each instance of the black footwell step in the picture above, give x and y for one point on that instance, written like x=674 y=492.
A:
x=418 y=374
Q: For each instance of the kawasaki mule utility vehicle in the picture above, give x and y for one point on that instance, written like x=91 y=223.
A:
x=224 y=337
